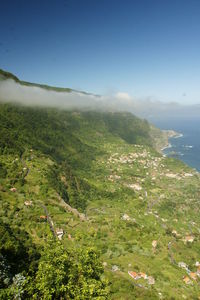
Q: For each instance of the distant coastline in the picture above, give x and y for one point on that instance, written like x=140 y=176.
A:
x=170 y=134
x=179 y=135
x=166 y=147
x=185 y=144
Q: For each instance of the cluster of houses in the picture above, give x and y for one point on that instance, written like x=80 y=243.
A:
x=134 y=275
x=140 y=275
x=178 y=176
x=192 y=276
x=145 y=159
x=129 y=158
x=189 y=239
x=187 y=279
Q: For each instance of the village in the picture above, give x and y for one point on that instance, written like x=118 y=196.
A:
x=134 y=242
x=153 y=169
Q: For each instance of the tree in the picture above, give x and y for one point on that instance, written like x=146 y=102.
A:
x=66 y=274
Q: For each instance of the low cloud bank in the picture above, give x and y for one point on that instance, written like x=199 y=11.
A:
x=10 y=91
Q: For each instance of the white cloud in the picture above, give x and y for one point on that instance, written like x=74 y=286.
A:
x=10 y=91
x=121 y=95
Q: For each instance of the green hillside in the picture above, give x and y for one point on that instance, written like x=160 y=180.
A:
x=86 y=198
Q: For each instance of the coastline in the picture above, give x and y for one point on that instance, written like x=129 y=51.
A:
x=168 y=135
x=166 y=147
x=162 y=138
x=179 y=135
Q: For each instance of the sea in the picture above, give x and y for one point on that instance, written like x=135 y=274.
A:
x=186 y=147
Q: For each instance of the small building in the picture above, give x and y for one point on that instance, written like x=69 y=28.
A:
x=143 y=275
x=188 y=174
x=134 y=275
x=125 y=217
x=151 y=280
x=28 y=203
x=59 y=233
x=115 y=268
x=198 y=271
x=43 y=217
x=189 y=238
x=183 y=265
x=193 y=275
x=174 y=232
x=187 y=280
x=154 y=244
x=171 y=175
x=13 y=189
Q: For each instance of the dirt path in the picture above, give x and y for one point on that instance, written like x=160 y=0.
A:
x=74 y=211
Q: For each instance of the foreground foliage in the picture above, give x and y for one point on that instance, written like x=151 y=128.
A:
x=59 y=274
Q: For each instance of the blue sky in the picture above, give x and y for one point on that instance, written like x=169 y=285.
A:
x=146 y=48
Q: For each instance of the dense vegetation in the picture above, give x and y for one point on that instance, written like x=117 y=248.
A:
x=61 y=137
x=72 y=183
x=54 y=273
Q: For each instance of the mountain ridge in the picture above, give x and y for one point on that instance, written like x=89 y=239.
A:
x=5 y=75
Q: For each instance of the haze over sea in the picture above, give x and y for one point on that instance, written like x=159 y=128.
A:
x=187 y=147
